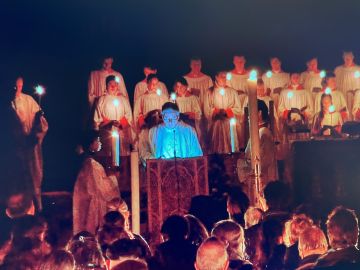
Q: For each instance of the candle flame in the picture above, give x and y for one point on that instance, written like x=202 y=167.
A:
x=269 y=74
x=328 y=90
x=290 y=95
x=253 y=75
x=222 y=91
x=228 y=76
x=40 y=90
x=233 y=121
x=116 y=102
x=357 y=74
x=332 y=108
x=117 y=79
x=322 y=74
x=115 y=134
x=173 y=96
x=158 y=92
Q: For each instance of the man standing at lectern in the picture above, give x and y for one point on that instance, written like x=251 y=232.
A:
x=173 y=138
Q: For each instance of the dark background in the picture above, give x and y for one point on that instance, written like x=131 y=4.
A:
x=57 y=43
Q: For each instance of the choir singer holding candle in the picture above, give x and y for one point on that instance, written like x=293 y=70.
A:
x=113 y=115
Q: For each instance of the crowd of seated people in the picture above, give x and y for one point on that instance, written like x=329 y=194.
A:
x=278 y=237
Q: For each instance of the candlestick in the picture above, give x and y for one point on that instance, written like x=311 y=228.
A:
x=232 y=134
x=115 y=147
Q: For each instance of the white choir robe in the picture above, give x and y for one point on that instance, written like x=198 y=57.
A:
x=26 y=108
x=202 y=83
x=356 y=106
x=346 y=82
x=191 y=103
x=180 y=142
x=106 y=111
x=148 y=102
x=97 y=84
x=299 y=100
x=141 y=88
x=310 y=80
x=332 y=119
x=338 y=100
x=239 y=82
x=268 y=162
x=92 y=191
x=280 y=79
x=219 y=130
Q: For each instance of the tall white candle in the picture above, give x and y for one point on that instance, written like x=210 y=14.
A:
x=115 y=147
x=232 y=133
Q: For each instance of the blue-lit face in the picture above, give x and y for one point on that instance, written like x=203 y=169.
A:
x=171 y=118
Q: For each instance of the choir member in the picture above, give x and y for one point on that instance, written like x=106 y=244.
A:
x=222 y=104
x=113 y=111
x=348 y=78
x=34 y=129
x=294 y=96
x=97 y=85
x=338 y=99
x=173 y=138
x=238 y=77
x=198 y=80
x=312 y=77
x=141 y=87
x=268 y=162
x=94 y=188
x=152 y=99
x=276 y=78
x=188 y=104
x=356 y=106
x=327 y=120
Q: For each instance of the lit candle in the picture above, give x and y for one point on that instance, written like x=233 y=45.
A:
x=269 y=74
x=232 y=133
x=39 y=90
x=222 y=91
x=252 y=79
x=328 y=90
x=290 y=95
x=332 y=108
x=158 y=92
x=117 y=79
x=228 y=76
x=357 y=74
x=173 y=97
x=115 y=147
x=322 y=74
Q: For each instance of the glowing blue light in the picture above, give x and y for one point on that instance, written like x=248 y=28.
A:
x=269 y=74
x=228 y=76
x=39 y=90
x=253 y=75
x=233 y=121
x=158 y=92
x=322 y=74
x=117 y=79
x=173 y=96
x=328 y=91
x=290 y=95
x=115 y=134
x=357 y=74
x=116 y=102
x=222 y=91
x=332 y=108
